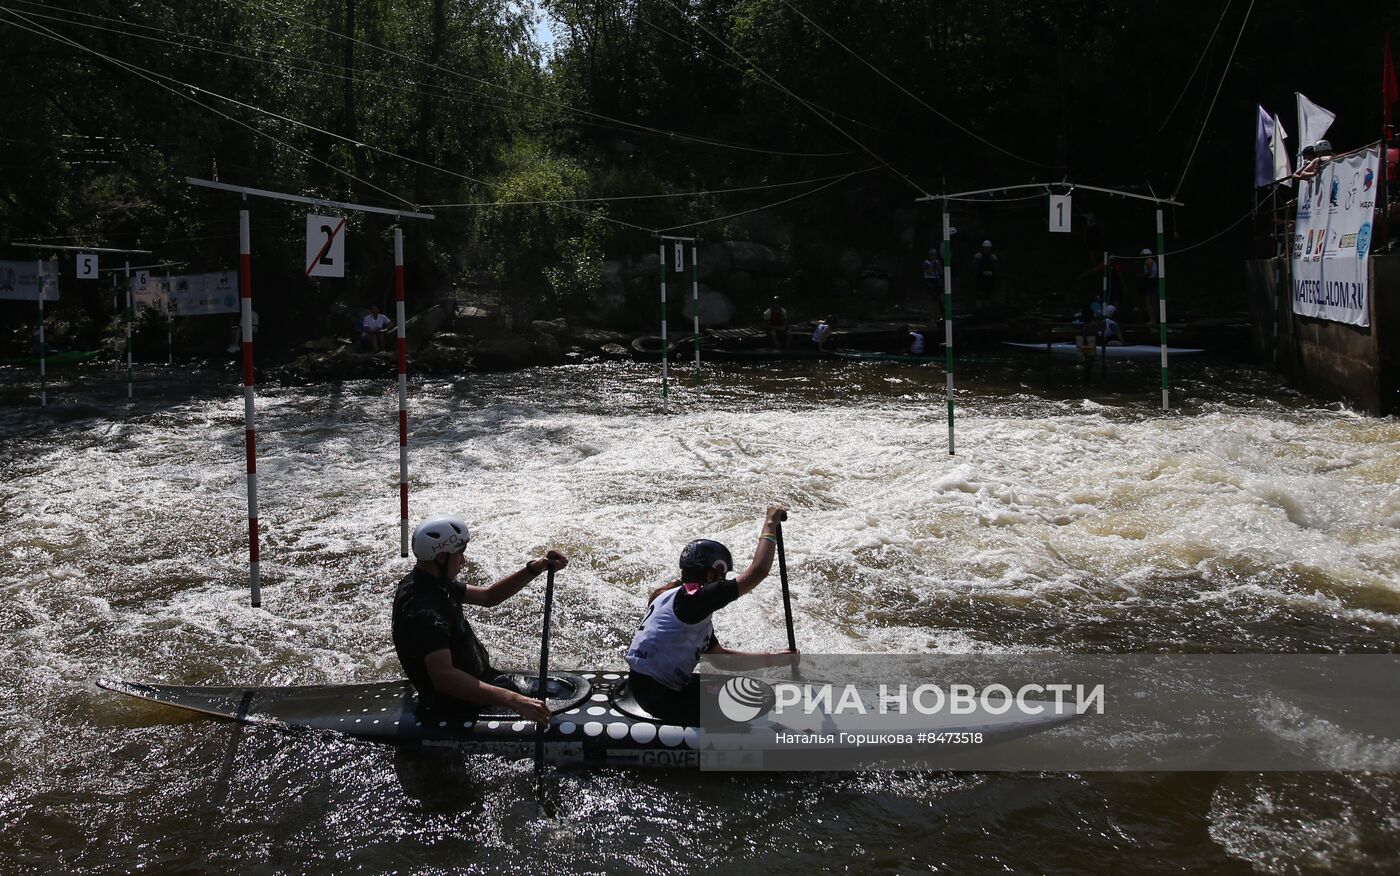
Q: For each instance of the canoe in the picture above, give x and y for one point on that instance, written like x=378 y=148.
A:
x=596 y=721
x=55 y=360
x=1066 y=350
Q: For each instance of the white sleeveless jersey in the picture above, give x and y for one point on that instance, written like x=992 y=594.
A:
x=665 y=647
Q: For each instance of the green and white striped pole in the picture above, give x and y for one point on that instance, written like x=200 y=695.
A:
x=128 y=329
x=948 y=318
x=1162 y=302
x=665 y=345
x=43 y=351
x=169 y=325
x=695 y=305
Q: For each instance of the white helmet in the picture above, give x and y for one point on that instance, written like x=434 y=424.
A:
x=440 y=535
x=1145 y=251
x=987 y=244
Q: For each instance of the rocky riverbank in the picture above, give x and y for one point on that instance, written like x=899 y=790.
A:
x=450 y=339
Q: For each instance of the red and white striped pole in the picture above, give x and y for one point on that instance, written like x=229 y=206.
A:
x=403 y=393
x=245 y=296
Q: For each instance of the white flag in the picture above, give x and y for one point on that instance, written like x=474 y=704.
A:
x=1282 y=168
x=1313 y=122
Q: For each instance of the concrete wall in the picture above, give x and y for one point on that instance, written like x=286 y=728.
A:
x=1360 y=366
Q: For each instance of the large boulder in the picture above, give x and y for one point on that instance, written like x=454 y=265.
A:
x=555 y=328
x=473 y=318
x=546 y=350
x=714 y=261
x=595 y=339
x=505 y=351
x=716 y=309
x=757 y=258
x=419 y=330
x=435 y=359
x=648 y=265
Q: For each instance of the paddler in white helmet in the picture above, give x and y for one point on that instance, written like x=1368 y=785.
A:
x=677 y=628
x=440 y=654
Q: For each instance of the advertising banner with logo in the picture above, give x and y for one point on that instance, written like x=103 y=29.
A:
x=20 y=281
x=154 y=293
x=200 y=294
x=1332 y=239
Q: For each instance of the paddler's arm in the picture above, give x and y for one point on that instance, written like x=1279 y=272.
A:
x=505 y=588
x=453 y=682
x=732 y=659
x=762 y=560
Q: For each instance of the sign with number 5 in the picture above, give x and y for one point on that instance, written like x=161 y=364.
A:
x=87 y=266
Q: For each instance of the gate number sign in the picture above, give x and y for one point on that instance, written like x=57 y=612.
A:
x=325 y=246
x=87 y=266
x=1059 y=213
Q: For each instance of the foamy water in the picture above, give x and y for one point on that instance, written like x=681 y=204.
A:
x=1238 y=523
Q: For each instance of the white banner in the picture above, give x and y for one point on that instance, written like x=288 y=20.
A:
x=20 y=281
x=200 y=294
x=1333 y=238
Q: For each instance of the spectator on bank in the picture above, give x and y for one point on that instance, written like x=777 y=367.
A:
x=984 y=269
x=1148 y=281
x=235 y=335
x=821 y=335
x=376 y=326
x=777 y=319
x=916 y=341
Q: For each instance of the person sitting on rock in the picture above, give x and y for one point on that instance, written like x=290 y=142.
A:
x=376 y=326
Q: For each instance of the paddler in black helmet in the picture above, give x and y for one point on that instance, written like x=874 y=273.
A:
x=440 y=654
x=676 y=629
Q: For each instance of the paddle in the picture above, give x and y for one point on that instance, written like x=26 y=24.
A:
x=782 y=574
x=543 y=690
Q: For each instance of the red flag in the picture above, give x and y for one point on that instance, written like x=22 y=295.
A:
x=1390 y=91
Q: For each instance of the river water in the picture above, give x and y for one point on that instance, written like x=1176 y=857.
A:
x=1249 y=519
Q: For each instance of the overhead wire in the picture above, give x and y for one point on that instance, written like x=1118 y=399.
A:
x=731 y=65
x=768 y=206
x=1223 y=74
x=152 y=76
x=526 y=95
x=663 y=195
x=866 y=149
x=49 y=33
x=1189 y=79
x=910 y=94
x=409 y=85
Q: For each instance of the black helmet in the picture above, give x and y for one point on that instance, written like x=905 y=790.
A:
x=702 y=555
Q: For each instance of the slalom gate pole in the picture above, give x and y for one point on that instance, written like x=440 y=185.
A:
x=245 y=296
x=1103 y=335
x=169 y=325
x=665 y=345
x=1162 y=303
x=948 y=318
x=695 y=304
x=128 y=328
x=403 y=392
x=43 y=351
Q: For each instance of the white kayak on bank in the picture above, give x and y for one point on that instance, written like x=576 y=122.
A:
x=1066 y=350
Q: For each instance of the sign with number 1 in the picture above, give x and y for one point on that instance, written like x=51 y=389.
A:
x=1059 y=214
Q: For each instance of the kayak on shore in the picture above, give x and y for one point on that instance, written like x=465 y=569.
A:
x=1067 y=350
